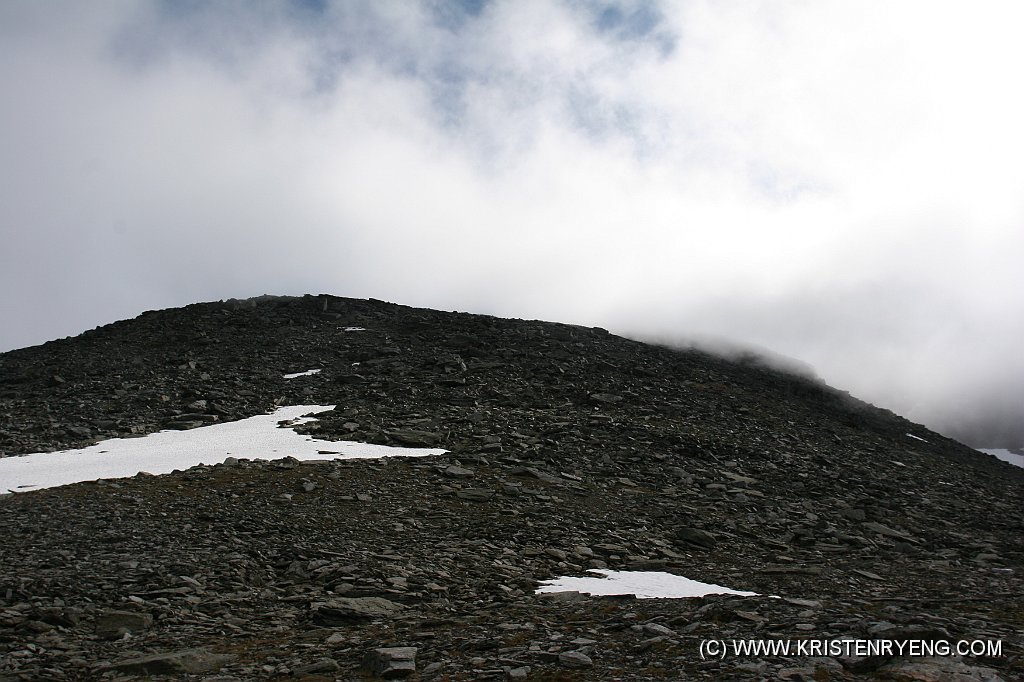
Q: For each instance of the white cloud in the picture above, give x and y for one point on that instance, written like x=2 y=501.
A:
x=837 y=181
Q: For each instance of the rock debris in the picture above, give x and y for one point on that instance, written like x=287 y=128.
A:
x=569 y=449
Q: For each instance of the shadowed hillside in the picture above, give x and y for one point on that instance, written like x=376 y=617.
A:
x=569 y=449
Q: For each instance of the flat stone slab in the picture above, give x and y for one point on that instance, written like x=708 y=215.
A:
x=350 y=609
x=185 y=661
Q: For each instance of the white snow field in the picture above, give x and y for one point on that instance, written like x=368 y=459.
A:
x=644 y=584
x=257 y=437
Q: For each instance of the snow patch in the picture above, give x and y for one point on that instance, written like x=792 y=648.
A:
x=307 y=373
x=160 y=453
x=643 y=584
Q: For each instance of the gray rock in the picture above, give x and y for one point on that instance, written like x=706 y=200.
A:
x=391 y=662
x=882 y=529
x=56 y=615
x=343 y=610
x=324 y=665
x=185 y=661
x=115 y=624
x=942 y=669
x=457 y=472
x=575 y=659
x=474 y=494
x=658 y=629
x=806 y=603
x=531 y=472
x=696 y=536
x=413 y=437
x=853 y=513
x=569 y=596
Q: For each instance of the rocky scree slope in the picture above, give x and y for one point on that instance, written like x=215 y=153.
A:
x=570 y=448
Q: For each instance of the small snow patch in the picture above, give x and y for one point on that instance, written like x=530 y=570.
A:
x=910 y=435
x=643 y=584
x=355 y=329
x=307 y=373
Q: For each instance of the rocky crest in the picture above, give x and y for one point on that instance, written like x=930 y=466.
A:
x=570 y=448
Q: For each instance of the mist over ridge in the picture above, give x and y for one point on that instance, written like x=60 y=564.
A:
x=832 y=182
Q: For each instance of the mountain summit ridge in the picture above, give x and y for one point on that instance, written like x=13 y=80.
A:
x=177 y=340
x=569 y=448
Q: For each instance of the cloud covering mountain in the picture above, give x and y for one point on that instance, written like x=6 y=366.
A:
x=839 y=183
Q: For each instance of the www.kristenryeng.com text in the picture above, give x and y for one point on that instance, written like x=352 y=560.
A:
x=719 y=649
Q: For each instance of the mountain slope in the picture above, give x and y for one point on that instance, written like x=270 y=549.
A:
x=570 y=448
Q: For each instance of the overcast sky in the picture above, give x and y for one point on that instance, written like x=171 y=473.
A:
x=841 y=182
